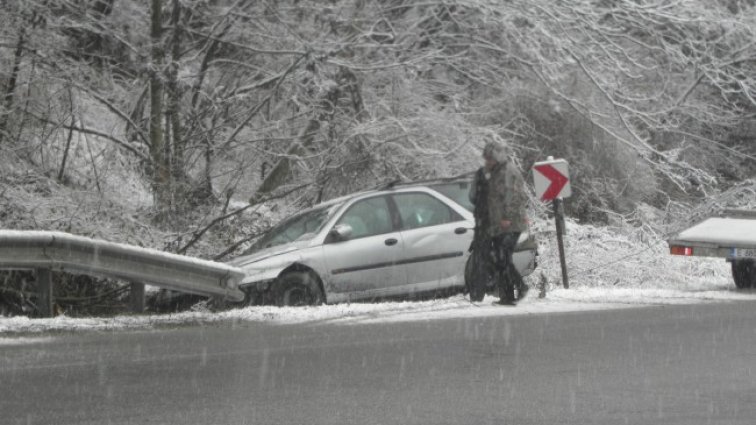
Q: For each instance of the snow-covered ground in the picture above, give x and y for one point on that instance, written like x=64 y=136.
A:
x=556 y=301
x=609 y=268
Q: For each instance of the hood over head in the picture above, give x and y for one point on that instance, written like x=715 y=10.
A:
x=496 y=151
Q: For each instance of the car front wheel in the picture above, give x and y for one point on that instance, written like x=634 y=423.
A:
x=297 y=289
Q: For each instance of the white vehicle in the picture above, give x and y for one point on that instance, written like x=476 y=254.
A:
x=732 y=236
x=404 y=240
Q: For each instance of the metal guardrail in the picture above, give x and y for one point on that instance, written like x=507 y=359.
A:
x=739 y=214
x=58 y=251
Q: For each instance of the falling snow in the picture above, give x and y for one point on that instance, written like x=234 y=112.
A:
x=609 y=269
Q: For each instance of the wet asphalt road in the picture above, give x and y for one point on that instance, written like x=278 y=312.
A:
x=660 y=365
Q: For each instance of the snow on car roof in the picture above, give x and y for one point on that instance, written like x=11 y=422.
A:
x=727 y=231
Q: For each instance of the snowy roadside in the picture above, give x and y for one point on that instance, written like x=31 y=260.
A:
x=557 y=301
x=609 y=268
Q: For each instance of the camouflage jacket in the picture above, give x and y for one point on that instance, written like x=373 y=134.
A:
x=499 y=197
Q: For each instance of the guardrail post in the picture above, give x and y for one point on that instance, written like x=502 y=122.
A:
x=45 y=292
x=137 y=297
x=218 y=302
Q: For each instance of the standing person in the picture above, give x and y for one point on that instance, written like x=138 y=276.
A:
x=481 y=265
x=498 y=193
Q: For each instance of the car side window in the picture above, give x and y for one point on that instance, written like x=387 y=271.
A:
x=422 y=210
x=459 y=192
x=368 y=217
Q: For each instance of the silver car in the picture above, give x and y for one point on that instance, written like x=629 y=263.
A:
x=402 y=241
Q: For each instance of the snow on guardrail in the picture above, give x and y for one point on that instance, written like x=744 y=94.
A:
x=61 y=251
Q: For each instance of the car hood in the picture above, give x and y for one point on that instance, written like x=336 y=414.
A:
x=255 y=257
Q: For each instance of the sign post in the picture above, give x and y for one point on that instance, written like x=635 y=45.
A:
x=552 y=183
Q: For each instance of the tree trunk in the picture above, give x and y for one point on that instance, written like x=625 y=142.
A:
x=174 y=96
x=281 y=171
x=135 y=115
x=160 y=172
x=10 y=89
x=62 y=170
x=326 y=110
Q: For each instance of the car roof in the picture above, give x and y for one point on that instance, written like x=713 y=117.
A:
x=388 y=188
x=426 y=182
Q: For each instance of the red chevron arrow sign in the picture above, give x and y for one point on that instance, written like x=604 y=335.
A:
x=552 y=179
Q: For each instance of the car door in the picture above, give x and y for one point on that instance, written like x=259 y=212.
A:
x=436 y=240
x=369 y=260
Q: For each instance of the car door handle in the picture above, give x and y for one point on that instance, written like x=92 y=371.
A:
x=391 y=242
x=460 y=230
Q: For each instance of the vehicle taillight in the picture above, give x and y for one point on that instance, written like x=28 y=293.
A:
x=681 y=250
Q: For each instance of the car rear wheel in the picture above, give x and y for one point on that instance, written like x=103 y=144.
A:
x=297 y=289
x=744 y=273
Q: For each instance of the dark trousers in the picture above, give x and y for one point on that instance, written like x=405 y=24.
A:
x=507 y=276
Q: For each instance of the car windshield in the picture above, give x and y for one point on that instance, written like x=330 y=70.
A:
x=456 y=191
x=300 y=227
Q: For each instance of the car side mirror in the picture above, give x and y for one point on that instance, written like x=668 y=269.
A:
x=340 y=232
